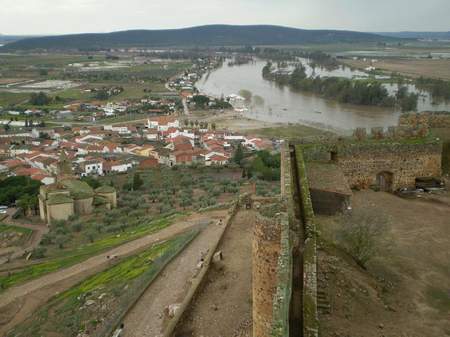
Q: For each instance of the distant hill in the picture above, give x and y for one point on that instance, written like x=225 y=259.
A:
x=214 y=35
x=418 y=35
x=11 y=38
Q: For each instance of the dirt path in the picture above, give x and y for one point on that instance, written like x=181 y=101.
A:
x=147 y=318
x=224 y=306
x=15 y=252
x=19 y=302
x=232 y=120
x=405 y=290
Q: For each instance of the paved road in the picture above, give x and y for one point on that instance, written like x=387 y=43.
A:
x=185 y=107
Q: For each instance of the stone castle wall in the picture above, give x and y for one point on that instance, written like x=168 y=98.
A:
x=431 y=119
x=361 y=162
x=266 y=250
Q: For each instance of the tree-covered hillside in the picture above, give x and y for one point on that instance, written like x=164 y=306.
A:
x=214 y=35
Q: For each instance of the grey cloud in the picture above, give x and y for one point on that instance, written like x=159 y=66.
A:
x=73 y=16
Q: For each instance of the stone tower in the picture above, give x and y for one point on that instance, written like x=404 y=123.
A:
x=64 y=168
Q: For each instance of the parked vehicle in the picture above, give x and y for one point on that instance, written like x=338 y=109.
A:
x=409 y=192
x=430 y=184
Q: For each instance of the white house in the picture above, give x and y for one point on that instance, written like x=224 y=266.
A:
x=122 y=130
x=215 y=158
x=121 y=167
x=162 y=123
x=184 y=133
x=92 y=168
x=152 y=135
x=88 y=139
x=234 y=138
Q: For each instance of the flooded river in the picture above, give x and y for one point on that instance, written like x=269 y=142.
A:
x=282 y=105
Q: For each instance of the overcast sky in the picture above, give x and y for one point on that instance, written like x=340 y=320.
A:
x=75 y=16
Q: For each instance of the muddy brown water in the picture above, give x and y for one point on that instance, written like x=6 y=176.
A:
x=282 y=105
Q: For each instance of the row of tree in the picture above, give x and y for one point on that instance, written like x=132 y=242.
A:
x=203 y=102
x=201 y=125
x=439 y=89
x=345 y=90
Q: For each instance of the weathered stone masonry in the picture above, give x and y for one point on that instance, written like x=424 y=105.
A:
x=266 y=249
x=363 y=162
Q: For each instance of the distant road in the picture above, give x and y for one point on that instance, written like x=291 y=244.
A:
x=185 y=107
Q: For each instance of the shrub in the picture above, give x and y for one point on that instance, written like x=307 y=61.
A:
x=74 y=217
x=90 y=235
x=99 y=227
x=61 y=240
x=362 y=234
x=48 y=239
x=77 y=227
x=38 y=253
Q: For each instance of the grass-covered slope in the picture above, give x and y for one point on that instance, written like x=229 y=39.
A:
x=96 y=304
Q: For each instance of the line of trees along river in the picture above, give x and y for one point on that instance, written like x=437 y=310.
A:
x=361 y=92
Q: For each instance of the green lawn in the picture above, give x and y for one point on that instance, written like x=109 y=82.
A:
x=10 y=98
x=67 y=314
x=69 y=258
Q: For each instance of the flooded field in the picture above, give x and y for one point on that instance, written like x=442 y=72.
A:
x=36 y=86
x=282 y=105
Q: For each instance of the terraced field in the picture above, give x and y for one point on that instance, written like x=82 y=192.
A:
x=95 y=305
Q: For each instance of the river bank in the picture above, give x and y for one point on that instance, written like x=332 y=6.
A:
x=282 y=105
x=236 y=122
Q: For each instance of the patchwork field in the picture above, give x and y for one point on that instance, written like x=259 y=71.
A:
x=95 y=305
x=64 y=259
x=61 y=75
x=410 y=67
